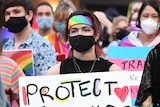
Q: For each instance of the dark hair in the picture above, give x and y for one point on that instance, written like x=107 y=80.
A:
x=44 y=3
x=27 y=4
x=153 y=3
x=111 y=12
x=96 y=27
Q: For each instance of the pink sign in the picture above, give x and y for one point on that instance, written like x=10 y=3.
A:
x=131 y=59
x=129 y=64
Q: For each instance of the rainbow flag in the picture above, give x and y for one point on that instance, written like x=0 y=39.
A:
x=24 y=58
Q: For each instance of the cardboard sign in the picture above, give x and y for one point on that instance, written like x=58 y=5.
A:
x=105 y=89
x=24 y=58
x=128 y=58
x=133 y=60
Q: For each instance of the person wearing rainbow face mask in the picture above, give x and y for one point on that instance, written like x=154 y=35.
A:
x=83 y=32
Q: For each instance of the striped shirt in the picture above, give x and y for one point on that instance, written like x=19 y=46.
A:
x=9 y=72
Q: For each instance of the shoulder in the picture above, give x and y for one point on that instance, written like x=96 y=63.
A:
x=9 y=64
x=111 y=66
x=124 y=41
x=105 y=62
x=156 y=49
x=114 y=43
x=155 y=52
x=129 y=39
x=7 y=60
x=8 y=44
x=60 y=67
x=54 y=70
x=65 y=63
x=39 y=40
x=115 y=67
x=42 y=45
x=157 y=46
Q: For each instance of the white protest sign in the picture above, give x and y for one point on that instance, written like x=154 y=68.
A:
x=107 y=89
x=135 y=79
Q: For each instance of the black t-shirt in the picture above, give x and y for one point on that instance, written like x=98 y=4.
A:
x=68 y=66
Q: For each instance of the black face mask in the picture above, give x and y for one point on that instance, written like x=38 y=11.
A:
x=121 y=34
x=16 y=24
x=82 y=43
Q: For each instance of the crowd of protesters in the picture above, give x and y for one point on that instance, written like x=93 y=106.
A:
x=71 y=40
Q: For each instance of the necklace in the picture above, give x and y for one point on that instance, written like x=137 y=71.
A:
x=78 y=68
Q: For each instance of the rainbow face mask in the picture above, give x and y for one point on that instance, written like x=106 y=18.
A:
x=79 y=19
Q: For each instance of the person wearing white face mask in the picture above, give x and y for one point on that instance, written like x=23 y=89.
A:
x=149 y=26
x=148 y=21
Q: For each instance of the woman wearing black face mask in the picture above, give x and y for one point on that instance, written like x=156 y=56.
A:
x=120 y=29
x=83 y=31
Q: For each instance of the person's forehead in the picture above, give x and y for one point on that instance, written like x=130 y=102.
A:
x=44 y=8
x=14 y=8
x=149 y=9
x=122 y=24
x=136 y=5
x=80 y=26
x=62 y=17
